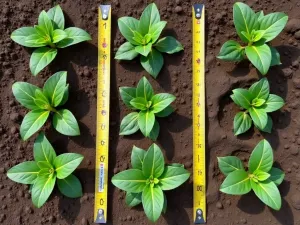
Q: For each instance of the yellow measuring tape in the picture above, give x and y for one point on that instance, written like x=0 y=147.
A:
x=103 y=92
x=199 y=185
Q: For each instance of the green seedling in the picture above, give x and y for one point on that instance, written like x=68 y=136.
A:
x=44 y=102
x=256 y=30
x=147 y=180
x=261 y=177
x=49 y=35
x=257 y=101
x=142 y=38
x=45 y=170
x=150 y=106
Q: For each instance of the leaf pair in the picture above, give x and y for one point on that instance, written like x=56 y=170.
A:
x=254 y=29
x=142 y=38
x=262 y=178
x=150 y=105
x=258 y=102
x=45 y=170
x=47 y=36
x=147 y=180
x=44 y=101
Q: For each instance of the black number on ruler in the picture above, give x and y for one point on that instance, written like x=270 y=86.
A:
x=102 y=158
x=198 y=145
x=104 y=25
x=101 y=201
x=102 y=142
x=199 y=172
x=198 y=158
x=199 y=187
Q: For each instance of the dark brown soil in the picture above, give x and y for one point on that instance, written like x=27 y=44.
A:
x=176 y=131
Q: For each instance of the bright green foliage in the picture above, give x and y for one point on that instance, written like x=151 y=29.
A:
x=47 y=36
x=256 y=30
x=257 y=101
x=142 y=39
x=44 y=102
x=261 y=177
x=149 y=105
x=147 y=180
x=45 y=170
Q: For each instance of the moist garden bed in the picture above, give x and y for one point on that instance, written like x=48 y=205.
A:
x=175 y=137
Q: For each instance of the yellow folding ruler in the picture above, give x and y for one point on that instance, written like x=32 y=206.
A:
x=102 y=126
x=199 y=186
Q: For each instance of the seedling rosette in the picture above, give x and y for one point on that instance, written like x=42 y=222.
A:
x=258 y=102
x=148 y=179
x=46 y=170
x=149 y=105
x=256 y=30
x=261 y=177
x=142 y=39
x=49 y=35
x=43 y=102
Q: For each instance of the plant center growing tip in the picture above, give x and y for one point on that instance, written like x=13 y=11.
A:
x=149 y=104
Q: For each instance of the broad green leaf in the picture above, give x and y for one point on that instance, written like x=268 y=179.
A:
x=257 y=102
x=41 y=100
x=149 y=18
x=243 y=97
x=168 y=45
x=44 y=165
x=129 y=124
x=153 y=62
x=176 y=165
x=155 y=131
x=260 y=15
x=165 y=112
x=36 y=40
x=57 y=16
x=75 y=36
x=42 y=31
x=127 y=26
x=144 y=49
x=65 y=123
x=153 y=165
x=164 y=210
x=161 y=101
x=268 y=127
x=25 y=94
x=232 y=51
x=40 y=58
x=229 y=164
x=66 y=96
x=260 y=89
x=259 y=117
x=66 y=163
x=131 y=180
x=156 y=30
x=236 y=183
x=20 y=35
x=146 y=120
x=126 y=52
x=43 y=150
x=277 y=175
x=173 y=177
x=137 y=157
x=144 y=89
x=45 y=22
x=261 y=157
x=44 y=172
x=153 y=202
x=273 y=103
x=70 y=186
x=133 y=199
x=242 y=122
x=268 y=193
x=24 y=173
x=127 y=94
x=32 y=122
x=138 y=37
x=139 y=103
x=275 y=57
x=58 y=35
x=244 y=19
x=261 y=175
x=41 y=190
x=260 y=56
x=54 y=88
x=273 y=24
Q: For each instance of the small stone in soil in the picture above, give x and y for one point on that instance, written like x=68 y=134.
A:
x=84 y=221
x=287 y=72
x=188 y=164
x=296 y=82
x=14 y=117
x=296 y=201
x=178 y=9
x=219 y=205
